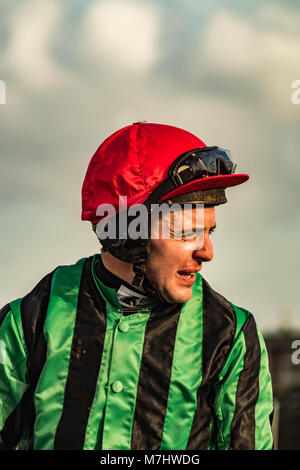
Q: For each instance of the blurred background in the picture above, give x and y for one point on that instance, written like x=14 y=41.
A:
x=76 y=71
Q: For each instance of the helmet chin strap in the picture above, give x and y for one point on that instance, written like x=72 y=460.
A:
x=141 y=279
x=137 y=253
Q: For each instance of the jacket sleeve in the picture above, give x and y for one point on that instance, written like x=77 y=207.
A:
x=13 y=377
x=243 y=401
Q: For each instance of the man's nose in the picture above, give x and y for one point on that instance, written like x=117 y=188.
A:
x=205 y=252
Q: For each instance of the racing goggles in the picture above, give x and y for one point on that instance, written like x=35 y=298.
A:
x=201 y=163
x=191 y=166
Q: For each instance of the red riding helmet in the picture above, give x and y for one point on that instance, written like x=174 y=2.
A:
x=135 y=160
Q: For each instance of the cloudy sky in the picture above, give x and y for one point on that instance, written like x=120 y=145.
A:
x=76 y=71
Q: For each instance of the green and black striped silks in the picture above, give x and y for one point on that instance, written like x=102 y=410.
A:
x=79 y=374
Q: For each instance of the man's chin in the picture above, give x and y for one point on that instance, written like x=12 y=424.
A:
x=177 y=297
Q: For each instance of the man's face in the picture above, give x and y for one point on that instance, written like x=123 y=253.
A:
x=173 y=262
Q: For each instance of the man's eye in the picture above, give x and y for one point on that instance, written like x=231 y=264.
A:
x=187 y=234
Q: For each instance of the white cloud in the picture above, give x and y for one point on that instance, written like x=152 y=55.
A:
x=122 y=34
x=32 y=30
x=262 y=49
x=239 y=45
x=230 y=44
x=276 y=16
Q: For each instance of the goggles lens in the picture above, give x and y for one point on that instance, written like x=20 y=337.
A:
x=200 y=163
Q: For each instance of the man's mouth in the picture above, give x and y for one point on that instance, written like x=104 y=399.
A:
x=187 y=275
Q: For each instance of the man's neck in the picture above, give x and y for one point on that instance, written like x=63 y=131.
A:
x=119 y=268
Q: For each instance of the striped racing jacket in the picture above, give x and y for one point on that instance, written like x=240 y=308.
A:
x=78 y=371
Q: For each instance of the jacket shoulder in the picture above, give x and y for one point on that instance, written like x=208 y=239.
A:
x=233 y=313
x=30 y=311
x=222 y=321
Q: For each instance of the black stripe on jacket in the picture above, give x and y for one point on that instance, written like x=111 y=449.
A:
x=154 y=378
x=243 y=423
x=3 y=312
x=219 y=325
x=85 y=360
